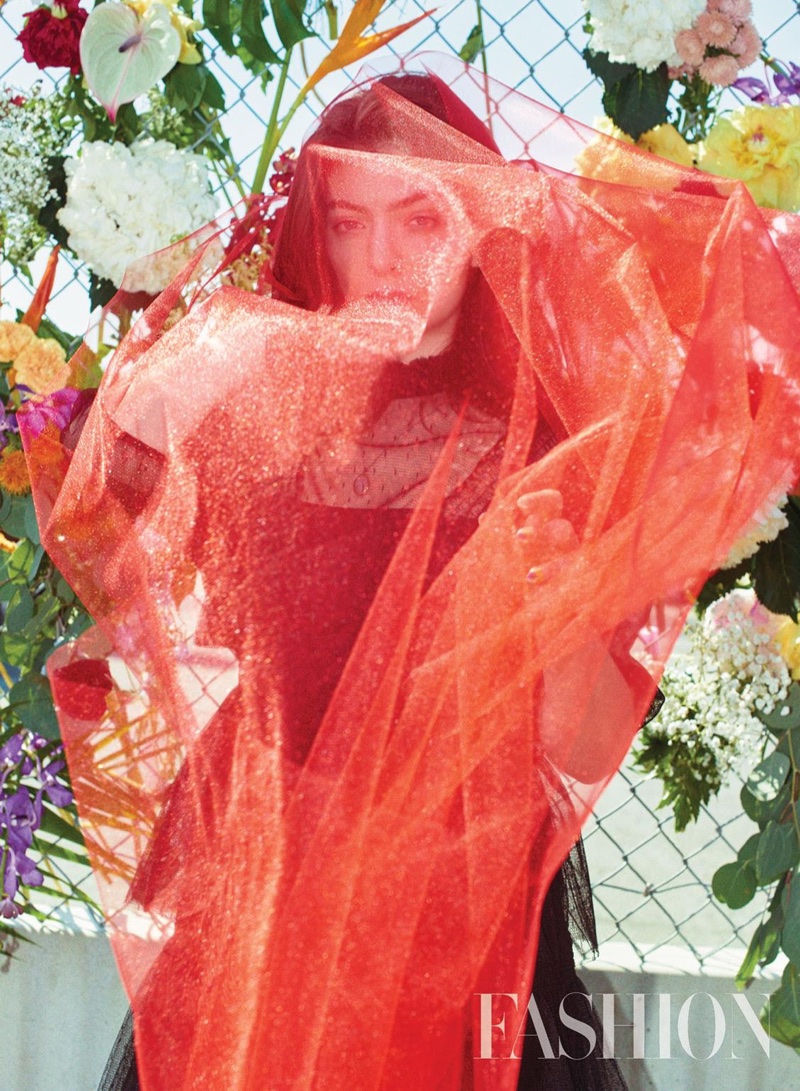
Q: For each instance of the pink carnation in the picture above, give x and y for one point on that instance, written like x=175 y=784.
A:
x=747 y=45
x=721 y=71
x=714 y=28
x=736 y=9
x=680 y=72
x=690 y=47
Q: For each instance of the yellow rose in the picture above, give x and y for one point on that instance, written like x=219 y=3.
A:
x=185 y=26
x=760 y=146
x=14 y=336
x=788 y=640
x=42 y=366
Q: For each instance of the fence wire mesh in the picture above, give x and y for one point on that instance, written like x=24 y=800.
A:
x=652 y=886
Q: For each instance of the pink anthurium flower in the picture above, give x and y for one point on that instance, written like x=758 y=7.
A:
x=123 y=54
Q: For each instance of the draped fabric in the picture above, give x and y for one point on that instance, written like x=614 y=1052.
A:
x=338 y=721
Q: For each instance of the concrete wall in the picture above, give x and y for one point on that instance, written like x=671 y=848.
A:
x=61 y=1006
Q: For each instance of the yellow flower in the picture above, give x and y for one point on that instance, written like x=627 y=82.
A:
x=666 y=141
x=14 y=336
x=14 y=472
x=787 y=638
x=185 y=26
x=602 y=159
x=759 y=145
x=42 y=366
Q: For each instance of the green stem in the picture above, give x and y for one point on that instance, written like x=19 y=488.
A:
x=484 y=65
x=484 y=62
x=274 y=130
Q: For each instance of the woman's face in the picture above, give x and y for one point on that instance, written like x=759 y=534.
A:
x=396 y=239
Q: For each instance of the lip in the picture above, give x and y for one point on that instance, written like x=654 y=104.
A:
x=389 y=295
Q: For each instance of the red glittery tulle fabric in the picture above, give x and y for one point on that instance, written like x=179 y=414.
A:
x=329 y=742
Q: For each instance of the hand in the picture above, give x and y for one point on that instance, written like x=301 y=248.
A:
x=543 y=534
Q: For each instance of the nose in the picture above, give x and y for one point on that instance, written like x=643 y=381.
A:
x=384 y=252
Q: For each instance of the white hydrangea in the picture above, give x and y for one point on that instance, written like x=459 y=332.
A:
x=126 y=202
x=730 y=667
x=641 y=32
x=764 y=528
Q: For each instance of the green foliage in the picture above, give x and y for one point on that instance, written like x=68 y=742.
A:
x=635 y=100
x=237 y=26
x=684 y=789
x=776 y=566
x=473 y=45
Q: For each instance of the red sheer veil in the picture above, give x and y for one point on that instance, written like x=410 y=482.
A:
x=316 y=870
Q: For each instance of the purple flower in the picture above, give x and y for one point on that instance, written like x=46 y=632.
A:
x=19 y=868
x=59 y=407
x=58 y=794
x=755 y=89
x=786 y=84
x=11 y=750
x=21 y=816
x=8 y=909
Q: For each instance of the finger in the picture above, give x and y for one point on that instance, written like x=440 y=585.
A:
x=543 y=505
x=548 y=539
x=558 y=535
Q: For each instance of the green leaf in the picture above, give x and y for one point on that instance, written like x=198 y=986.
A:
x=776 y=567
x=124 y=54
x=734 y=884
x=19 y=610
x=59 y=851
x=48 y=214
x=760 y=811
x=213 y=95
x=252 y=32
x=101 y=291
x=785 y=715
x=638 y=102
x=782 y=1018
x=289 y=22
x=219 y=22
x=20 y=561
x=767 y=779
x=473 y=45
x=185 y=86
x=56 y=825
x=763 y=949
x=14 y=514
x=790 y=939
x=778 y=851
x=32 y=702
x=610 y=72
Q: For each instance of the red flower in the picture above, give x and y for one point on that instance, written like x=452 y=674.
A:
x=80 y=688
x=50 y=36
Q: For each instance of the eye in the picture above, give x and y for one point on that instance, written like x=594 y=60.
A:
x=346 y=227
x=425 y=221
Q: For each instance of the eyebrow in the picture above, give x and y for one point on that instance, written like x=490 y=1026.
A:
x=404 y=202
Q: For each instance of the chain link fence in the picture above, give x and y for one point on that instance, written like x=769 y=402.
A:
x=652 y=886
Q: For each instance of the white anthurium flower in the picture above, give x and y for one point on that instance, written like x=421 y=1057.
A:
x=124 y=53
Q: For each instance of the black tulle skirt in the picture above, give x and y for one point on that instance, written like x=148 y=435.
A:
x=567 y=921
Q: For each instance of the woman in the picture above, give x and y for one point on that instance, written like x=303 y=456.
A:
x=363 y=678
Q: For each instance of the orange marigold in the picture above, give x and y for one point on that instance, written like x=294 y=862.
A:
x=14 y=472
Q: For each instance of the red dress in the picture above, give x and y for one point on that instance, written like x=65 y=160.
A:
x=336 y=708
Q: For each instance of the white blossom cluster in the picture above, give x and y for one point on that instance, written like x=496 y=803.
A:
x=124 y=203
x=732 y=667
x=30 y=135
x=640 y=32
x=764 y=528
